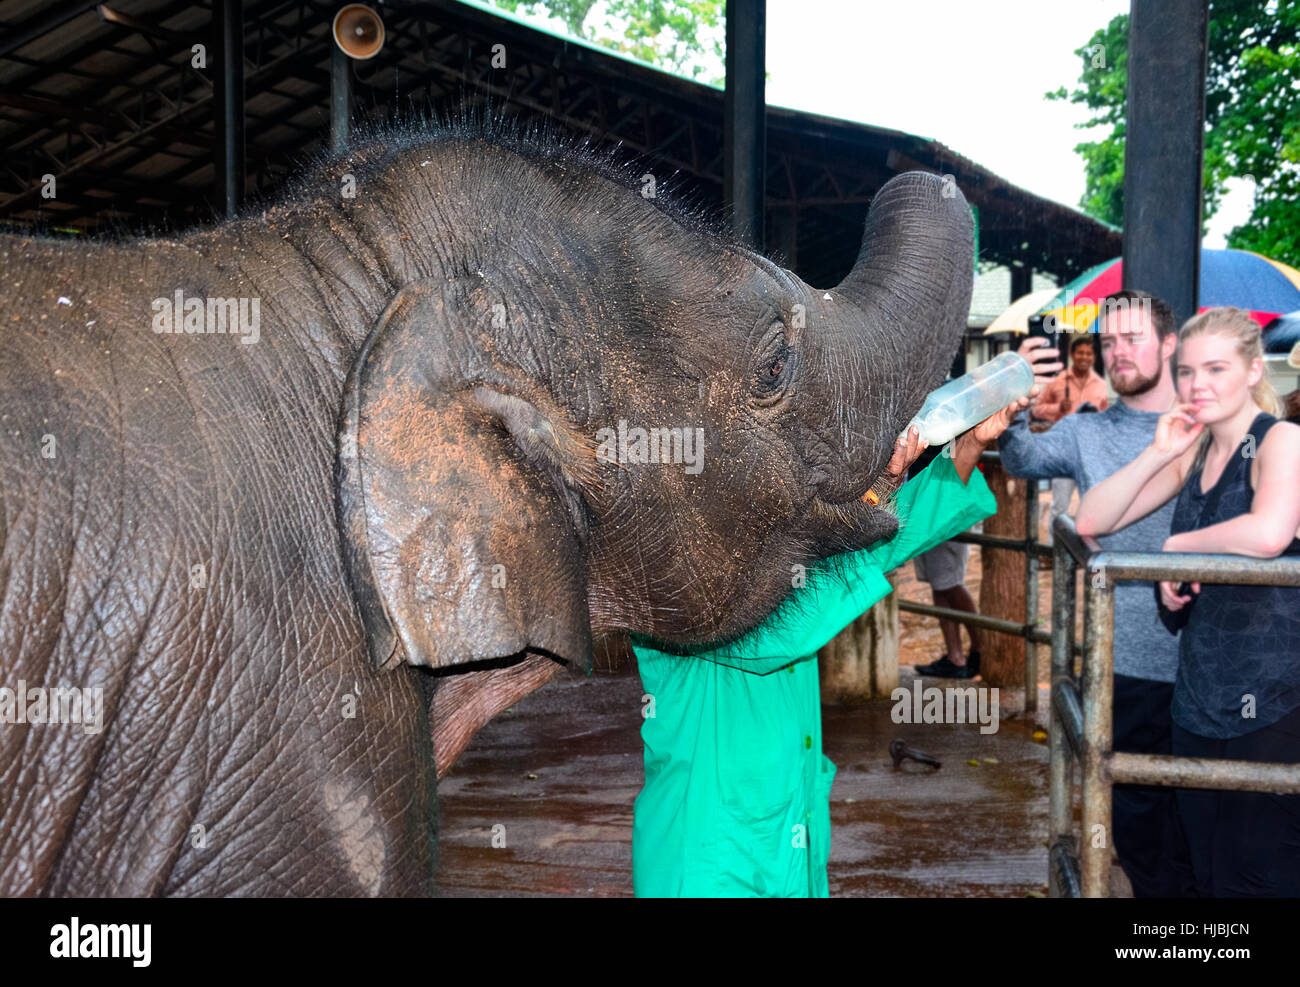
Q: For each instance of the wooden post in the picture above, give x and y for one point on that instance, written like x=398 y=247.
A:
x=861 y=663
x=1022 y=280
x=228 y=116
x=784 y=231
x=744 y=119
x=1002 y=586
x=1163 y=150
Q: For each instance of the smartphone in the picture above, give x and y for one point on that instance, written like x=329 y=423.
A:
x=1038 y=326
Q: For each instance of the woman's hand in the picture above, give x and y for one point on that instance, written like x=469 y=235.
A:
x=906 y=449
x=1169 y=595
x=1176 y=431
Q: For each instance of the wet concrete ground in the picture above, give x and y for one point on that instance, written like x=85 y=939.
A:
x=964 y=830
x=559 y=774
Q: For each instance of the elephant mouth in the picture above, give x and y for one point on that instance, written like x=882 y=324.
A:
x=853 y=523
x=465 y=699
x=846 y=510
x=854 y=494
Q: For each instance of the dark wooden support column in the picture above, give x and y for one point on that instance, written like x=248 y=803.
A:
x=1022 y=278
x=340 y=99
x=1164 y=141
x=744 y=125
x=228 y=33
x=784 y=234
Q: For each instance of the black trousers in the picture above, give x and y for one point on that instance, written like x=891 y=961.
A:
x=1243 y=844
x=1149 y=838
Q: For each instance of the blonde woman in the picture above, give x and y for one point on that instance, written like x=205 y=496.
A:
x=1235 y=469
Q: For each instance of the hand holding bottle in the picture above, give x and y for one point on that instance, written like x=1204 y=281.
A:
x=973 y=398
x=906 y=449
x=998 y=422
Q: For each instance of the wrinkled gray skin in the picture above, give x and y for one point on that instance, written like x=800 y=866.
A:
x=242 y=544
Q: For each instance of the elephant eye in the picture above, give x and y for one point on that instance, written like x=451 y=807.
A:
x=774 y=366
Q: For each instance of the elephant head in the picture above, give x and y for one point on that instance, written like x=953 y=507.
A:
x=592 y=413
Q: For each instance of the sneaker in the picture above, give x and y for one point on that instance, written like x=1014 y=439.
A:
x=924 y=669
x=945 y=669
x=973 y=662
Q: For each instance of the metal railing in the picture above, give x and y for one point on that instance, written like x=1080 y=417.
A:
x=1082 y=705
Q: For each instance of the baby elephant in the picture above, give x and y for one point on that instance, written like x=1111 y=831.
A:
x=292 y=506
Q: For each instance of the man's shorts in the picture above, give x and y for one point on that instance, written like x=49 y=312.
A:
x=943 y=566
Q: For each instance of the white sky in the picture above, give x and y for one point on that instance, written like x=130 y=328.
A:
x=968 y=73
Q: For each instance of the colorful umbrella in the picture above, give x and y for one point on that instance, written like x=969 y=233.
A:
x=1265 y=288
x=1016 y=317
x=1282 y=333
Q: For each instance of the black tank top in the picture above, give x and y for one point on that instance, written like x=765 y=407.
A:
x=1239 y=641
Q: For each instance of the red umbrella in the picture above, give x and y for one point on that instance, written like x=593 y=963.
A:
x=1265 y=288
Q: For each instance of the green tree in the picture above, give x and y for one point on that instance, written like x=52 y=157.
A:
x=683 y=36
x=1252 y=119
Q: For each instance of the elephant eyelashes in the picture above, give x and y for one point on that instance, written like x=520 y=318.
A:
x=773 y=376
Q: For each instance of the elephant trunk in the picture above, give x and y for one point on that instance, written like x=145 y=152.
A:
x=908 y=297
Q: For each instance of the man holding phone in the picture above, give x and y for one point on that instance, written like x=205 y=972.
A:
x=1075 y=387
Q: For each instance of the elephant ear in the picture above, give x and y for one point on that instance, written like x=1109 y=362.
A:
x=457 y=502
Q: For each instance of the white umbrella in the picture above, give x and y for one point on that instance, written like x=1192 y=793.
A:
x=1016 y=317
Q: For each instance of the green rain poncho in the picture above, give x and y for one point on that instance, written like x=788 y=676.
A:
x=737 y=791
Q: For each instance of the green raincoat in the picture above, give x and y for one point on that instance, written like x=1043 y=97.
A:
x=737 y=791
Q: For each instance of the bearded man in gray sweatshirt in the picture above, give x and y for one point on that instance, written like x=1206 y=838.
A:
x=1138 y=336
